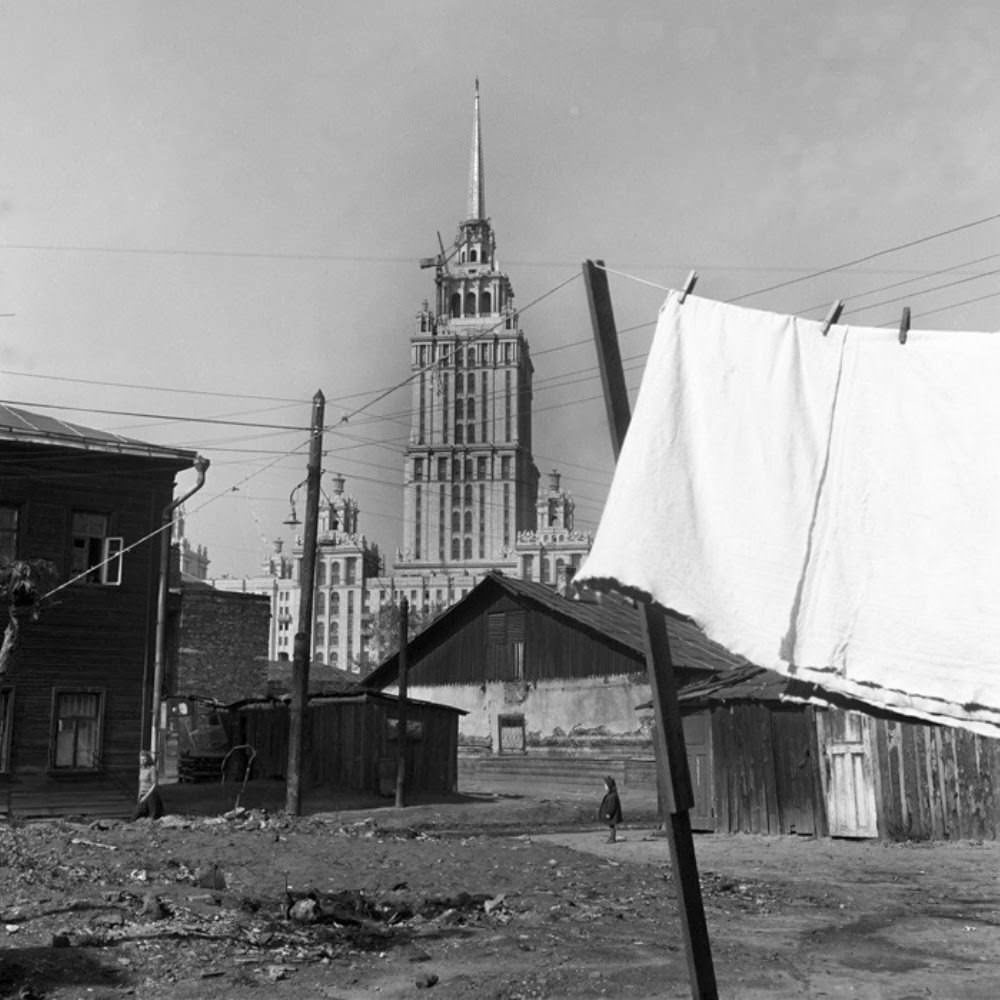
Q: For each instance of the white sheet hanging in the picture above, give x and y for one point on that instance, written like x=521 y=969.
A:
x=825 y=506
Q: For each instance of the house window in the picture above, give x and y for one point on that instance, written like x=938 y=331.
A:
x=8 y=532
x=95 y=553
x=511 y=733
x=77 y=718
x=6 y=717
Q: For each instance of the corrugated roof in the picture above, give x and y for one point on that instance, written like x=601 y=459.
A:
x=604 y=615
x=36 y=428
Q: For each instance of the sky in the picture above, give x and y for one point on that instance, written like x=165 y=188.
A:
x=210 y=211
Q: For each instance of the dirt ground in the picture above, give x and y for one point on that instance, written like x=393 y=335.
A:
x=479 y=897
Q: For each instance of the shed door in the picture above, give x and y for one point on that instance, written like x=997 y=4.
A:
x=848 y=781
x=698 y=740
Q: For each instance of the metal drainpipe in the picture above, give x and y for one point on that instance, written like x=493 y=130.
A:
x=201 y=467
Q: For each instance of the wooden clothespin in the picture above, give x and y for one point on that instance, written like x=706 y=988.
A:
x=833 y=315
x=904 y=325
x=692 y=280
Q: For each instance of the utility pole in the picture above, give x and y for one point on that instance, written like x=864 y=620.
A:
x=307 y=581
x=673 y=776
x=404 y=629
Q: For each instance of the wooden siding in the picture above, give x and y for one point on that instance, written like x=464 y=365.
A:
x=554 y=649
x=766 y=779
x=936 y=782
x=347 y=744
x=89 y=636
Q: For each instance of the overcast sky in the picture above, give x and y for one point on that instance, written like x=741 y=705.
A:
x=212 y=209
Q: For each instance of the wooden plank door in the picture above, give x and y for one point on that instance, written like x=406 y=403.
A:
x=848 y=779
x=698 y=741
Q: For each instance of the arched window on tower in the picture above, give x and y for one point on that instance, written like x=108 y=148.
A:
x=467 y=522
x=459 y=433
x=470 y=406
x=485 y=304
x=459 y=384
x=473 y=255
x=456 y=548
x=334 y=574
x=456 y=305
x=456 y=521
x=470 y=304
x=468 y=494
x=467 y=554
x=470 y=433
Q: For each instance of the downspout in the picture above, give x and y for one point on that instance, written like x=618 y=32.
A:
x=201 y=467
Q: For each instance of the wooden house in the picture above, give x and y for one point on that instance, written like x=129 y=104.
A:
x=778 y=765
x=350 y=741
x=550 y=685
x=75 y=697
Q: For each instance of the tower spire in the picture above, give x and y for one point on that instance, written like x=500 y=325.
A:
x=477 y=189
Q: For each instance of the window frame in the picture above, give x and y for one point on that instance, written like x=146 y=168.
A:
x=57 y=694
x=104 y=567
x=12 y=534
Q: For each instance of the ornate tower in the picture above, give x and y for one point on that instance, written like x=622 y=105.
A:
x=470 y=480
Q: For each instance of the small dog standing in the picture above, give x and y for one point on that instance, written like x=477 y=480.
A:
x=610 y=809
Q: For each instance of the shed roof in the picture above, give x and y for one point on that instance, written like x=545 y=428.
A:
x=607 y=616
x=23 y=426
x=343 y=698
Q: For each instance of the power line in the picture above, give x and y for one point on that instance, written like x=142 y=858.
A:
x=868 y=257
x=153 y=388
x=169 y=418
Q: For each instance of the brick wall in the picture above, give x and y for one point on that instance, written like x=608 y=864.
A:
x=220 y=649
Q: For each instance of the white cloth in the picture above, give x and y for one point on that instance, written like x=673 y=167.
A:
x=828 y=506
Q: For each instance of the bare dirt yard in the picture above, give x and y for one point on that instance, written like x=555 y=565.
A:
x=479 y=897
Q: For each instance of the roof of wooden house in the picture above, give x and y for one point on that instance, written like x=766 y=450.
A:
x=343 y=698
x=23 y=426
x=605 y=616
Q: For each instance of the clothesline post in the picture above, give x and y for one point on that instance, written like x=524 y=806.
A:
x=674 y=778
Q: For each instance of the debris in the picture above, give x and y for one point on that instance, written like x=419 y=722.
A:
x=426 y=981
x=82 y=842
x=153 y=908
x=276 y=972
x=211 y=878
x=305 y=911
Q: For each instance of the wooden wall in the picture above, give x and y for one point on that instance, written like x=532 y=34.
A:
x=554 y=648
x=765 y=773
x=936 y=782
x=931 y=782
x=88 y=636
x=347 y=743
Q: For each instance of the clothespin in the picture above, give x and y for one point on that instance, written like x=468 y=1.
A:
x=833 y=315
x=692 y=280
x=904 y=325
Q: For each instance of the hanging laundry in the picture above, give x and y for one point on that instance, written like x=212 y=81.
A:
x=827 y=506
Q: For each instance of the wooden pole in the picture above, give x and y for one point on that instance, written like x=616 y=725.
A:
x=404 y=638
x=674 y=779
x=302 y=645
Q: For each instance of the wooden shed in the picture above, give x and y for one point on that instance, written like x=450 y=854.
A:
x=351 y=741
x=550 y=685
x=842 y=769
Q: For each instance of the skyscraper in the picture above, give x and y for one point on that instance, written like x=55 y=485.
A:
x=470 y=480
